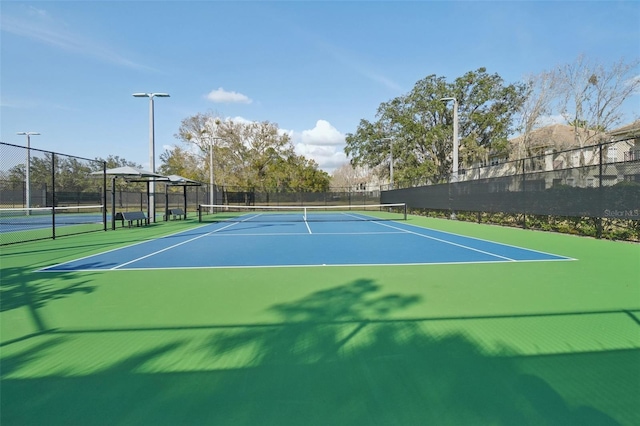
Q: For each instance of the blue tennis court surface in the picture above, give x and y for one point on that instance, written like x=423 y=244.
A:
x=15 y=220
x=288 y=244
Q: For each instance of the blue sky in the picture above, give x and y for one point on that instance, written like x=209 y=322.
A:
x=68 y=68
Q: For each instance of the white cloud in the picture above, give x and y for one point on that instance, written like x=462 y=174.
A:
x=222 y=96
x=328 y=158
x=323 y=134
x=324 y=144
x=239 y=119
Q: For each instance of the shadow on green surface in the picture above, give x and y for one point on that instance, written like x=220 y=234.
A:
x=63 y=250
x=79 y=244
x=21 y=287
x=325 y=364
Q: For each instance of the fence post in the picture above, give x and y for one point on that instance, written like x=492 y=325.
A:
x=599 y=218
x=113 y=202
x=104 y=194
x=524 y=196
x=53 y=196
x=452 y=214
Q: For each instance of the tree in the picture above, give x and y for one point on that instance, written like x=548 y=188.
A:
x=114 y=161
x=181 y=162
x=592 y=94
x=420 y=126
x=251 y=152
x=249 y=155
x=199 y=130
x=41 y=170
x=305 y=176
x=541 y=92
x=347 y=177
x=73 y=175
x=15 y=176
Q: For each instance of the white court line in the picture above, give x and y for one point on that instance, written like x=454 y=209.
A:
x=176 y=245
x=307 y=223
x=286 y=234
x=446 y=242
x=332 y=265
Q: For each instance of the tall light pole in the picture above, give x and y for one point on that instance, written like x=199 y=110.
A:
x=455 y=137
x=152 y=151
x=28 y=168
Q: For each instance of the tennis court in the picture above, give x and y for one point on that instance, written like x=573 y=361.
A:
x=245 y=320
x=283 y=238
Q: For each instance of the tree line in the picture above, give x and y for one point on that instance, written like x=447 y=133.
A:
x=246 y=156
x=414 y=130
x=70 y=174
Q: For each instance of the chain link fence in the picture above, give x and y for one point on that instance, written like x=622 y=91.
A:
x=599 y=182
x=44 y=194
x=344 y=197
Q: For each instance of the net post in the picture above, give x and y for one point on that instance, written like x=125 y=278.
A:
x=200 y=213
x=404 y=205
x=53 y=196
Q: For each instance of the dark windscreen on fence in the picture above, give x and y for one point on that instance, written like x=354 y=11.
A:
x=600 y=185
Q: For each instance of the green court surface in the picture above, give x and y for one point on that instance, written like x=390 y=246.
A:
x=521 y=343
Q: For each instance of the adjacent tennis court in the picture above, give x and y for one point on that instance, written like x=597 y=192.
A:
x=300 y=318
x=24 y=224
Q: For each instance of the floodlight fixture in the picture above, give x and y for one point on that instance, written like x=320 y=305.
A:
x=151 y=95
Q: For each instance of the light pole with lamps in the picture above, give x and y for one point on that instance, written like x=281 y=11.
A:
x=28 y=168
x=152 y=153
x=455 y=137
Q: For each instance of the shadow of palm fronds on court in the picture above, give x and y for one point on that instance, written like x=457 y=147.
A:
x=338 y=356
x=335 y=359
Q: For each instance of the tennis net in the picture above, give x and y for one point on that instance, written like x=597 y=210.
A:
x=228 y=213
x=46 y=215
x=36 y=223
